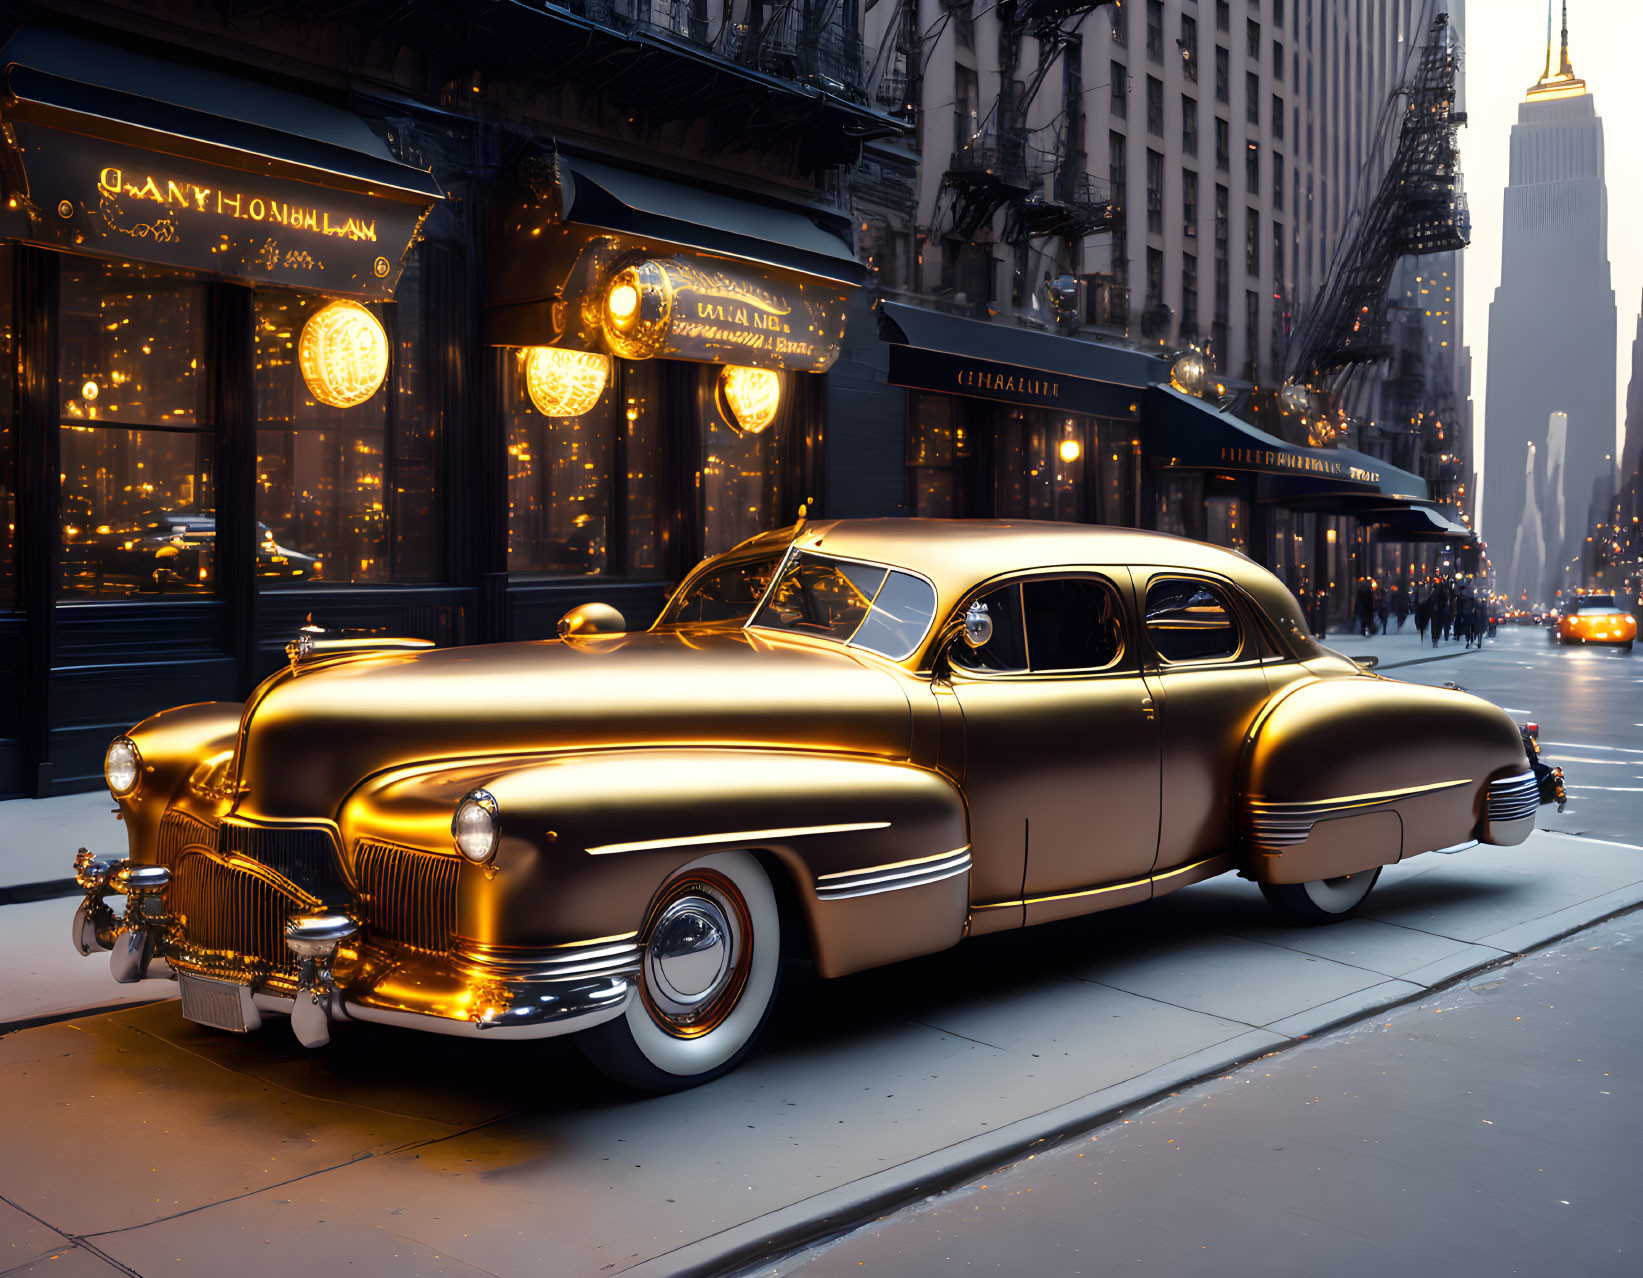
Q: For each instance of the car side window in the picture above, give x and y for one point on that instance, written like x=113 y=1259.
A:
x=1073 y=623
x=1006 y=651
x=1191 y=621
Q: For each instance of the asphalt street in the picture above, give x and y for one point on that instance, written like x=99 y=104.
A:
x=1491 y=1130
x=1588 y=702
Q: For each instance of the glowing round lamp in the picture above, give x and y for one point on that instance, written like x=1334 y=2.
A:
x=1070 y=450
x=343 y=354
x=563 y=382
x=749 y=397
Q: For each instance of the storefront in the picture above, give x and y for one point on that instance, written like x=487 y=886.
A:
x=1010 y=423
x=659 y=357
x=217 y=315
x=1304 y=513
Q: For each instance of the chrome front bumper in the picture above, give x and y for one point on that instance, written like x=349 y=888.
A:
x=476 y=991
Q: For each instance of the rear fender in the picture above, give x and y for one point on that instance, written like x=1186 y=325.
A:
x=876 y=853
x=1344 y=774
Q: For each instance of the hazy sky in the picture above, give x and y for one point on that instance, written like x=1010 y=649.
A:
x=1505 y=49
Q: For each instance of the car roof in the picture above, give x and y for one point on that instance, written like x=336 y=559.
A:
x=957 y=554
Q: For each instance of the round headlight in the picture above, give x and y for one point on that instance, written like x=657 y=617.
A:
x=122 y=766
x=474 y=827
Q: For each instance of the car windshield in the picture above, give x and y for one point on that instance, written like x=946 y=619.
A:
x=728 y=592
x=1597 y=603
x=866 y=605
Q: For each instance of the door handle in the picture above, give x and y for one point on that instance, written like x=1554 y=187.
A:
x=1148 y=710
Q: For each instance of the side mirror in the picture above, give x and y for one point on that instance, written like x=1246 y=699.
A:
x=591 y=619
x=978 y=625
x=1368 y=663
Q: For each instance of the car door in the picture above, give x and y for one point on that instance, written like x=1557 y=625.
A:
x=1202 y=662
x=1061 y=749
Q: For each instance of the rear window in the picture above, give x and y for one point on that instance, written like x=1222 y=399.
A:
x=1597 y=603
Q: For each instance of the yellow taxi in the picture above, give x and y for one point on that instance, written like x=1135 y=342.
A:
x=1597 y=619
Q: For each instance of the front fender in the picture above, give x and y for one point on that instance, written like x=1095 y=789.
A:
x=174 y=745
x=876 y=852
x=1344 y=774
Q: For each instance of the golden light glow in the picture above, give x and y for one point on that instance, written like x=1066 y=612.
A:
x=622 y=301
x=88 y=391
x=563 y=382
x=750 y=396
x=343 y=354
x=1070 y=450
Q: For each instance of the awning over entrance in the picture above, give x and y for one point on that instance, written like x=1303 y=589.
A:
x=130 y=156
x=652 y=208
x=1185 y=431
x=956 y=356
x=1415 y=523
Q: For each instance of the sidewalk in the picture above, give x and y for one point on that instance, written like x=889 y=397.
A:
x=38 y=839
x=1395 y=649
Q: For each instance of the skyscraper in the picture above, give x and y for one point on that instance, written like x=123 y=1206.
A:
x=1552 y=323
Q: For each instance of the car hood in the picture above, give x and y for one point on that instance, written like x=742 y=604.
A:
x=313 y=733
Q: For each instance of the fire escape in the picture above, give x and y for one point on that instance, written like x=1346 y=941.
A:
x=1046 y=194
x=1417 y=208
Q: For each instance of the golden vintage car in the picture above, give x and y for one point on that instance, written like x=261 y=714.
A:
x=1595 y=618
x=856 y=741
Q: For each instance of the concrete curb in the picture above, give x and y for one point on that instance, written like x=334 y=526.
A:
x=743 y=1249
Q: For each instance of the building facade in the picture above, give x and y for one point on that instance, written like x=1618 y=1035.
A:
x=1551 y=334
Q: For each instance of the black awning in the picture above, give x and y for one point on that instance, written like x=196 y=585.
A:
x=127 y=156
x=1414 y=523
x=1184 y=431
x=651 y=208
x=933 y=351
x=83 y=87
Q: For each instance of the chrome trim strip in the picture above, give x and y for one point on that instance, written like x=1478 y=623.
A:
x=892 y=865
x=1303 y=807
x=1459 y=847
x=734 y=836
x=582 y=959
x=870 y=883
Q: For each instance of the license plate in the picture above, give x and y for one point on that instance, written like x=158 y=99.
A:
x=224 y=1005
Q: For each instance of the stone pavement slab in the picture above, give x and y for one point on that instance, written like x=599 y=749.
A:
x=397 y=1153
x=38 y=837
x=45 y=977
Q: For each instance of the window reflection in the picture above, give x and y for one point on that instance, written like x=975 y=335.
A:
x=138 y=512
x=320 y=470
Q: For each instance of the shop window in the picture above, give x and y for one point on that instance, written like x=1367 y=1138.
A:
x=1224 y=517
x=1072 y=624
x=738 y=479
x=1190 y=621
x=322 y=495
x=938 y=445
x=138 y=511
x=8 y=439
x=559 y=481
x=1043 y=466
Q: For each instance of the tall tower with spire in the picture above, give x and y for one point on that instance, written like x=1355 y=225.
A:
x=1552 y=322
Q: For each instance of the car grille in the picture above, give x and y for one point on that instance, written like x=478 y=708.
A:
x=178 y=833
x=304 y=854
x=1513 y=798
x=409 y=897
x=232 y=915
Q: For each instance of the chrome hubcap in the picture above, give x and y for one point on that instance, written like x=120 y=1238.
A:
x=690 y=957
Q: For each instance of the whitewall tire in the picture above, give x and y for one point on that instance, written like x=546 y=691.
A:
x=711 y=951
x=1321 y=900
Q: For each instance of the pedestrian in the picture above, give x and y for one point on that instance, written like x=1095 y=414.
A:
x=1423 y=609
x=1383 y=606
x=1366 y=608
x=1442 y=612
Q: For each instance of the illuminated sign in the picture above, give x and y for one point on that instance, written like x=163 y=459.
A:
x=751 y=396
x=683 y=309
x=563 y=382
x=1023 y=382
x=1308 y=463
x=94 y=195
x=343 y=354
